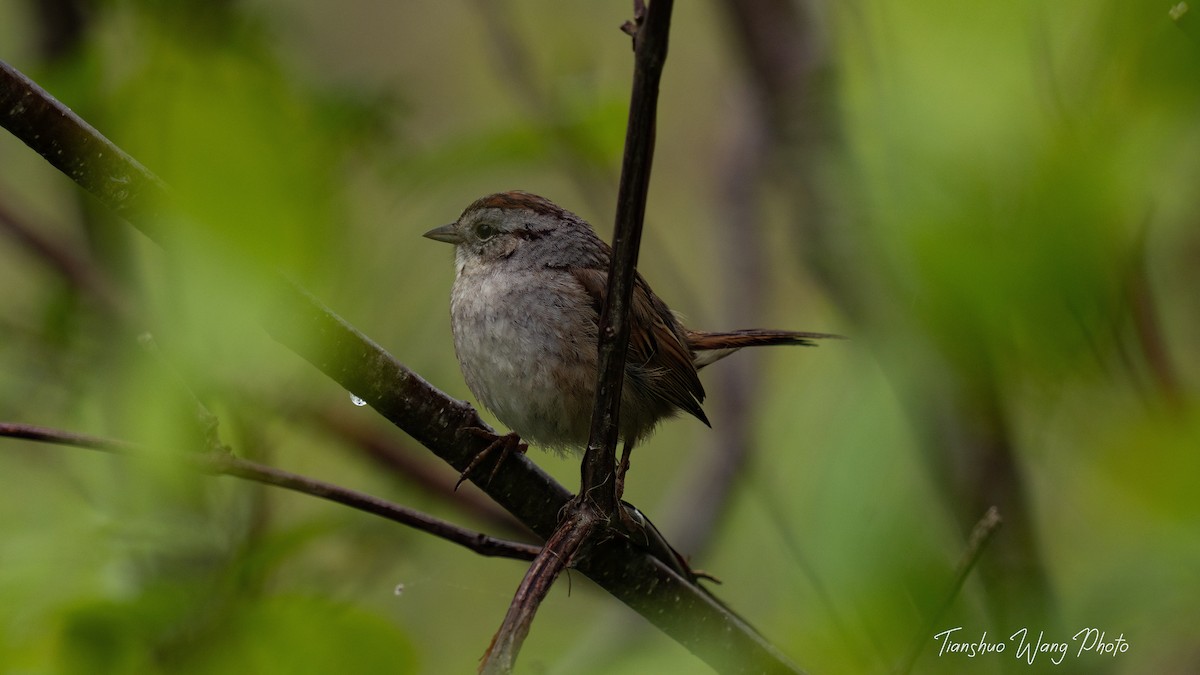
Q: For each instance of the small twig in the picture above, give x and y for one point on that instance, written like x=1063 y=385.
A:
x=560 y=550
x=229 y=465
x=980 y=536
x=634 y=25
x=29 y=432
x=478 y=542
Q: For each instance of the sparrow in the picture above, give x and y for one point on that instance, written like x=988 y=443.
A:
x=529 y=287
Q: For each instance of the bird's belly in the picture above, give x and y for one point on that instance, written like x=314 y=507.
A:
x=528 y=353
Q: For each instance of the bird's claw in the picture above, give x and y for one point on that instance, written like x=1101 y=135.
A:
x=506 y=444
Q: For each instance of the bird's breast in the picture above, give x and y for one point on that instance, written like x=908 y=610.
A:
x=526 y=341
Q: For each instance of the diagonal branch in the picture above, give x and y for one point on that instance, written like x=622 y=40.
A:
x=228 y=465
x=644 y=582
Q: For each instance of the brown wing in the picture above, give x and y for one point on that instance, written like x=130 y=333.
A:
x=657 y=343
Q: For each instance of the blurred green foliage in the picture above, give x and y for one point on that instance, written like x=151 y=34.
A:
x=1017 y=190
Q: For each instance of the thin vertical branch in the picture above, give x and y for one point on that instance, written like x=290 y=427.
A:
x=597 y=501
x=650 y=49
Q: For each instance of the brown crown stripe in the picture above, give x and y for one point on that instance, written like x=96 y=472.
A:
x=515 y=200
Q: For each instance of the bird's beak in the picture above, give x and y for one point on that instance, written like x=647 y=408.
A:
x=447 y=233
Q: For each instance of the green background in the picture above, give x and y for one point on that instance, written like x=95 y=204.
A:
x=997 y=203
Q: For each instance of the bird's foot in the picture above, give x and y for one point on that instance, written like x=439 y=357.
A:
x=505 y=445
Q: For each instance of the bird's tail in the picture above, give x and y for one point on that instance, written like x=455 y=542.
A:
x=710 y=347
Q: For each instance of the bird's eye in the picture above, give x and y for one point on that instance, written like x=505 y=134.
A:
x=485 y=231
